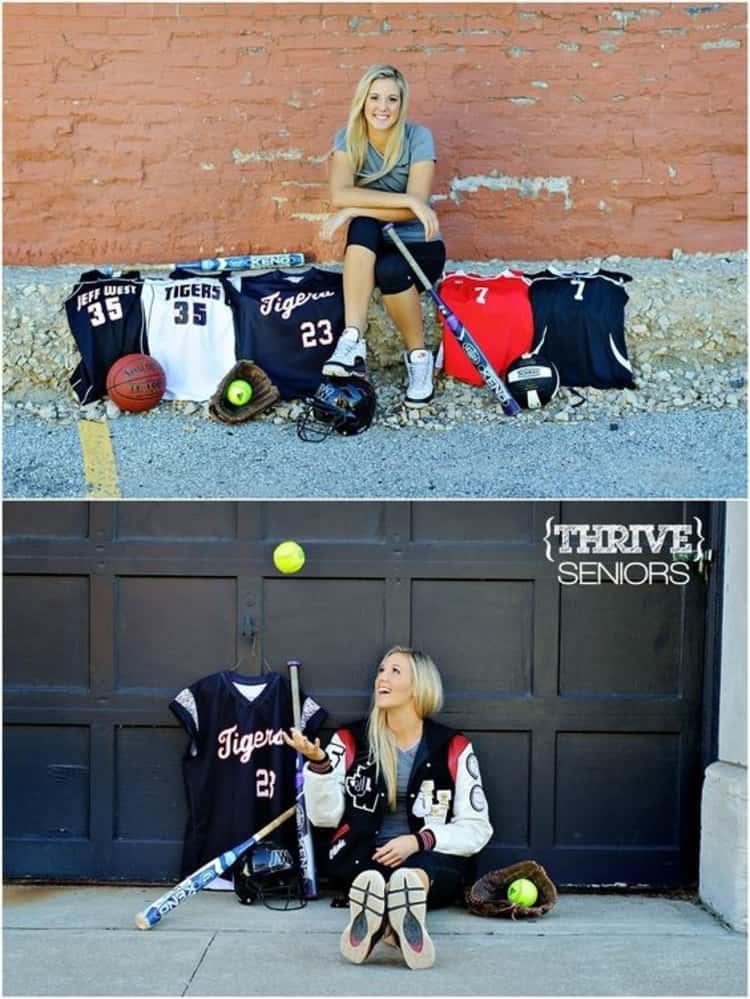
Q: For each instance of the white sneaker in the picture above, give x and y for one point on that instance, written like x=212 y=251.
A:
x=366 y=916
x=349 y=356
x=407 y=913
x=419 y=365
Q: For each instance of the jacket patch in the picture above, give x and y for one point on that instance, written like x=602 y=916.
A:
x=477 y=798
x=360 y=789
x=439 y=812
x=423 y=802
x=438 y=815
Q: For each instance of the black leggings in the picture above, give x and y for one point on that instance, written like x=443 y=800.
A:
x=392 y=273
x=448 y=874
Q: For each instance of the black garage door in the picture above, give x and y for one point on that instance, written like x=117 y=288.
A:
x=589 y=705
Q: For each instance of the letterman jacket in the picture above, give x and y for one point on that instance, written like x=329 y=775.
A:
x=445 y=796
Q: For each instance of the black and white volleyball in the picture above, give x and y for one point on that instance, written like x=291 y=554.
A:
x=532 y=380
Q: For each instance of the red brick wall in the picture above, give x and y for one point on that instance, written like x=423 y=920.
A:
x=152 y=132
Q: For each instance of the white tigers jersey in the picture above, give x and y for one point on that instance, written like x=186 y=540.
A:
x=190 y=329
x=238 y=771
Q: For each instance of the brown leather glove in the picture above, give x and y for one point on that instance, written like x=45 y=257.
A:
x=265 y=394
x=489 y=895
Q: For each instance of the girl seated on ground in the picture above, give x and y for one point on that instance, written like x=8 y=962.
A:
x=404 y=796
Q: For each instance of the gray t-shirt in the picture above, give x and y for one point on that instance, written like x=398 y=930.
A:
x=396 y=823
x=418 y=146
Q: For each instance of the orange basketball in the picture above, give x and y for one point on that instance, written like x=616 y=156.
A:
x=136 y=382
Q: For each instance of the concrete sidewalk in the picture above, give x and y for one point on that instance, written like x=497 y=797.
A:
x=80 y=941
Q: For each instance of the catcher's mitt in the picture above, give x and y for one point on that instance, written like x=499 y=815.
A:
x=265 y=394
x=489 y=895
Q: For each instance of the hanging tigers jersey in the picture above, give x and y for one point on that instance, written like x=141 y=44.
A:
x=579 y=325
x=497 y=311
x=190 y=330
x=237 y=769
x=105 y=316
x=289 y=324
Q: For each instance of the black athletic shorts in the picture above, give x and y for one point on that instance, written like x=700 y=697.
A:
x=448 y=874
x=392 y=273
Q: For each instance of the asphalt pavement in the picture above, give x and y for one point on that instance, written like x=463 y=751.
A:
x=81 y=941
x=690 y=454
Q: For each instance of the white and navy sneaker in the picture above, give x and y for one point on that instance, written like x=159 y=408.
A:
x=366 y=916
x=419 y=366
x=407 y=912
x=349 y=357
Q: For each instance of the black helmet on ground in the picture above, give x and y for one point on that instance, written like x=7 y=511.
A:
x=267 y=873
x=342 y=405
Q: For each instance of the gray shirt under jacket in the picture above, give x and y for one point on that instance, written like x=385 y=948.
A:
x=396 y=823
x=418 y=146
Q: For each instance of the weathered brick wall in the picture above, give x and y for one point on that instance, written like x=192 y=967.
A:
x=153 y=132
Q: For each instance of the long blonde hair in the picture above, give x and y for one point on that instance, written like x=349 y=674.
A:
x=428 y=698
x=356 y=126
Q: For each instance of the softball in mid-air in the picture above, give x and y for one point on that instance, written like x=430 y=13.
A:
x=288 y=557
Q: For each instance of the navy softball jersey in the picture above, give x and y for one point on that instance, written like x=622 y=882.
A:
x=289 y=324
x=237 y=769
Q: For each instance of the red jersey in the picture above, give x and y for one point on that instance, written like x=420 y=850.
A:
x=496 y=309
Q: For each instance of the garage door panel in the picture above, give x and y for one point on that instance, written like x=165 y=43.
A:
x=46 y=631
x=175 y=521
x=46 y=781
x=617 y=512
x=617 y=789
x=621 y=640
x=168 y=629
x=482 y=523
x=325 y=521
x=149 y=795
x=504 y=761
x=61 y=521
x=479 y=632
x=336 y=627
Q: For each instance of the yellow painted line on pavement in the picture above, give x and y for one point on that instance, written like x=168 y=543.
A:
x=98 y=460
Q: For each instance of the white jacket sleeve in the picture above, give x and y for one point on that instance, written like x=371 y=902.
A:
x=324 y=793
x=469 y=830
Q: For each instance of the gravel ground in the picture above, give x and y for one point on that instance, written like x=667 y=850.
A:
x=681 y=432
x=689 y=311
x=174 y=451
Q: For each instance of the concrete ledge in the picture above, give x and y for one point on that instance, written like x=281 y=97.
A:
x=723 y=862
x=688 y=313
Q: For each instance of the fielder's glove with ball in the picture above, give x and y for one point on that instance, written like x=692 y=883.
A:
x=265 y=394
x=489 y=895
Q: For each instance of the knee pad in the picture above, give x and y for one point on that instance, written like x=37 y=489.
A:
x=393 y=274
x=365 y=232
